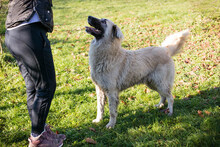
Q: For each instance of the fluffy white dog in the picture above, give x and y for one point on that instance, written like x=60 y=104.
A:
x=114 y=69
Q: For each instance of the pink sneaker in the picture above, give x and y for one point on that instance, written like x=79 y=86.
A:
x=54 y=135
x=44 y=140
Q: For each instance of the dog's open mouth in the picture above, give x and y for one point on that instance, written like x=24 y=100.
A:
x=93 y=31
x=95 y=28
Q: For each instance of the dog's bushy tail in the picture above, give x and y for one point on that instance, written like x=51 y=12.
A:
x=174 y=42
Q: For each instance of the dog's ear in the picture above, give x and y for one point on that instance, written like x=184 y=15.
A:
x=116 y=32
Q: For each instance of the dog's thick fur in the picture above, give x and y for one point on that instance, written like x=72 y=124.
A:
x=114 y=69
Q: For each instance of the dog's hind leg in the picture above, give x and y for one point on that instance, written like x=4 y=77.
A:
x=170 y=104
x=113 y=105
x=100 y=104
x=170 y=101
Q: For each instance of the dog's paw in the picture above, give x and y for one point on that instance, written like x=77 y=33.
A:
x=170 y=114
x=96 y=120
x=166 y=111
x=110 y=125
x=159 y=105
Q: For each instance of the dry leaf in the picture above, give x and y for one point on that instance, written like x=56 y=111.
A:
x=181 y=82
x=92 y=129
x=131 y=98
x=147 y=90
x=90 y=140
x=123 y=102
x=200 y=113
x=187 y=60
x=207 y=112
x=192 y=73
x=197 y=86
x=92 y=94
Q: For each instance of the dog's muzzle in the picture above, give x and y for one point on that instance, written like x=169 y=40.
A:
x=96 y=30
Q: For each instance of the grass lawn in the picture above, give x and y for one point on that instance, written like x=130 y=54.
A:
x=196 y=119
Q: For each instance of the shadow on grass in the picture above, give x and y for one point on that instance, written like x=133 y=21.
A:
x=185 y=112
x=77 y=91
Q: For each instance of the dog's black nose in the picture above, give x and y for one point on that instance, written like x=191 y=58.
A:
x=90 y=18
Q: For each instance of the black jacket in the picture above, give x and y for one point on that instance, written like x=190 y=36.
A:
x=22 y=10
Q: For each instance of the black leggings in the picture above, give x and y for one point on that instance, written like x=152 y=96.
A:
x=31 y=49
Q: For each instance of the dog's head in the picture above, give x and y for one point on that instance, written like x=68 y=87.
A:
x=103 y=28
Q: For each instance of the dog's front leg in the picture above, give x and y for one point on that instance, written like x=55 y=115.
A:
x=100 y=104
x=113 y=105
x=161 y=103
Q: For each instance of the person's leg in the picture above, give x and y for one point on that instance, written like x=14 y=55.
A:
x=30 y=86
x=45 y=88
x=31 y=48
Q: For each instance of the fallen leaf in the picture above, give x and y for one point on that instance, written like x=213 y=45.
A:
x=181 y=82
x=192 y=73
x=92 y=129
x=147 y=90
x=90 y=140
x=207 y=112
x=200 y=113
x=131 y=98
x=83 y=54
x=92 y=94
x=187 y=60
x=196 y=68
x=123 y=102
x=197 y=86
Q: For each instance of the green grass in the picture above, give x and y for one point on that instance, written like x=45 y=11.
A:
x=143 y=23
